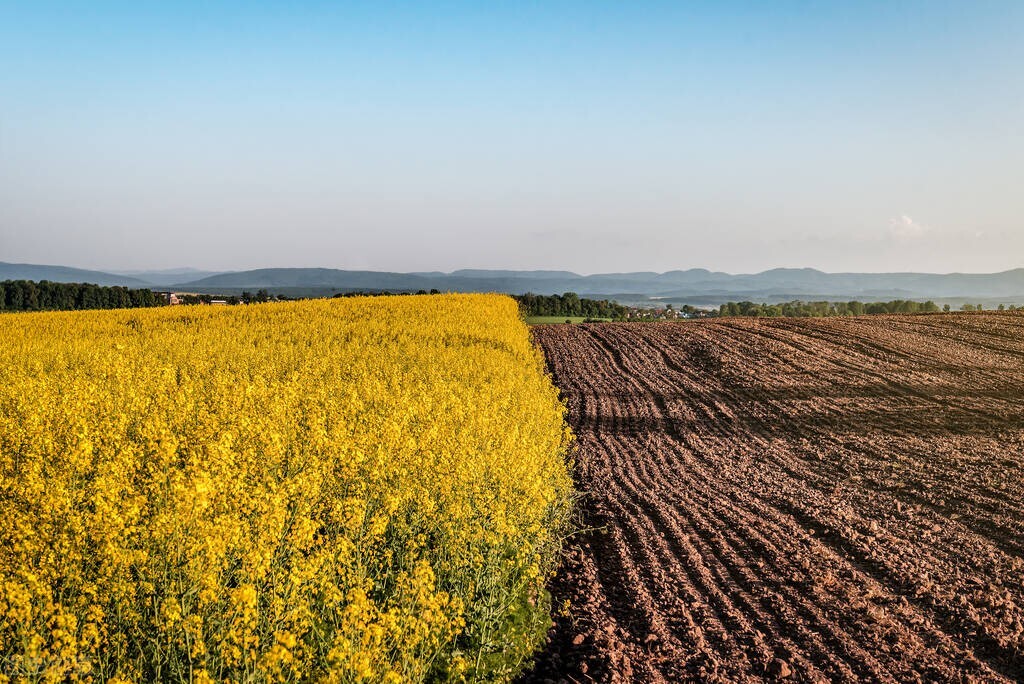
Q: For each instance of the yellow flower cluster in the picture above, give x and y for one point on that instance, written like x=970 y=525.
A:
x=349 y=490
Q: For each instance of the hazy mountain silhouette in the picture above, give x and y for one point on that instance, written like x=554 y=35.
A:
x=773 y=285
x=168 y=276
x=66 y=274
x=696 y=286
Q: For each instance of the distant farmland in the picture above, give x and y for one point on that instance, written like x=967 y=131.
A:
x=816 y=499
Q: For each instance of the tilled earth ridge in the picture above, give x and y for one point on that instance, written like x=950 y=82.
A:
x=793 y=499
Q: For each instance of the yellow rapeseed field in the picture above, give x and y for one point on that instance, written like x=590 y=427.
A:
x=357 y=490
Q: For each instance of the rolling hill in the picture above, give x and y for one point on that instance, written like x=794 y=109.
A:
x=66 y=274
x=693 y=286
x=697 y=286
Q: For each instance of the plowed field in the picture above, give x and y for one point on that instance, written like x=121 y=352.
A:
x=803 y=499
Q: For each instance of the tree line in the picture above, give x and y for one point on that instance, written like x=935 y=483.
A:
x=28 y=295
x=569 y=304
x=822 y=309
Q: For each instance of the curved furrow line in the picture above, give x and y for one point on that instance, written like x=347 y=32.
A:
x=970 y=494
x=641 y=527
x=972 y=632
x=610 y=337
x=742 y=621
x=739 y=527
x=969 y=377
x=759 y=593
x=970 y=336
x=724 y=611
x=648 y=579
x=762 y=535
x=602 y=564
x=731 y=560
x=846 y=334
x=681 y=634
x=865 y=341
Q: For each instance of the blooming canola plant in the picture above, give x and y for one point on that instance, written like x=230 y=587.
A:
x=367 y=489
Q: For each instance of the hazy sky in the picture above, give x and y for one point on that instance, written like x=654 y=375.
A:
x=587 y=136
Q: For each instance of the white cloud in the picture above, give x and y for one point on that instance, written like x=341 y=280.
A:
x=906 y=228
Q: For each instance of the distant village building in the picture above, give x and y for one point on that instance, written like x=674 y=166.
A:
x=172 y=299
x=218 y=302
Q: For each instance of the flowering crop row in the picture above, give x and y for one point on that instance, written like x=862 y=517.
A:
x=359 y=490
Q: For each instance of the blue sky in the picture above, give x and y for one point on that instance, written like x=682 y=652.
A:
x=580 y=135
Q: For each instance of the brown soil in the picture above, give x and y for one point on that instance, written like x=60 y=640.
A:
x=793 y=499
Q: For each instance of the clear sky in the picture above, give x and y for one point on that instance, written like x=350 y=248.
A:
x=588 y=136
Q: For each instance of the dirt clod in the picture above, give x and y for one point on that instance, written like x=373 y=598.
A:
x=779 y=668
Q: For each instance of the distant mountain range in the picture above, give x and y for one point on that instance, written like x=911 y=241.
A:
x=65 y=274
x=170 y=276
x=694 y=286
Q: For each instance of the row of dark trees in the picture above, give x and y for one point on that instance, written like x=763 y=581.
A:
x=27 y=295
x=245 y=298
x=821 y=309
x=569 y=304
